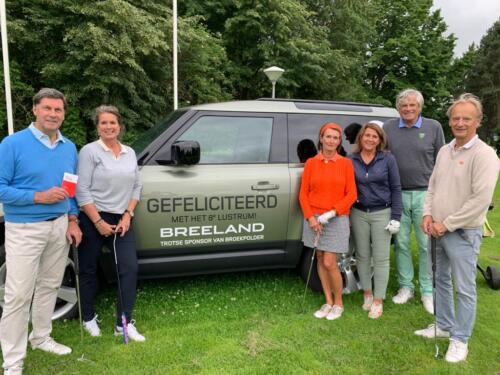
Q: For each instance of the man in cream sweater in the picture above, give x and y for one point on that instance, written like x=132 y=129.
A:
x=460 y=191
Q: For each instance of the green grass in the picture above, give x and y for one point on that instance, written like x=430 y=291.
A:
x=250 y=323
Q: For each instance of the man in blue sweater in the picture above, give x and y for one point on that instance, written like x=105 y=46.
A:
x=415 y=141
x=40 y=222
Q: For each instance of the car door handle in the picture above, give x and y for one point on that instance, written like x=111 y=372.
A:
x=265 y=185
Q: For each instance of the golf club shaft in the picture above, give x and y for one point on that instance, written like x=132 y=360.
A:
x=433 y=258
x=120 y=297
x=315 y=244
x=77 y=276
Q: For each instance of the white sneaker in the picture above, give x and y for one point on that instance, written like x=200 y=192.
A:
x=457 y=351
x=92 y=327
x=428 y=332
x=367 y=302
x=16 y=370
x=131 y=331
x=376 y=311
x=323 y=311
x=335 y=312
x=404 y=294
x=51 y=346
x=428 y=302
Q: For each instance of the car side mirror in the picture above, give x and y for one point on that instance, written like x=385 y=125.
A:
x=185 y=152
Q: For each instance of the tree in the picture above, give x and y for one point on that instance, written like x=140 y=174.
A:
x=483 y=79
x=410 y=50
x=116 y=52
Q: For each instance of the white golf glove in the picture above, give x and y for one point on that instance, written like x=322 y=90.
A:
x=323 y=219
x=393 y=226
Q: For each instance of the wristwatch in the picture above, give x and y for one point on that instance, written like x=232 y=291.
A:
x=73 y=218
x=131 y=213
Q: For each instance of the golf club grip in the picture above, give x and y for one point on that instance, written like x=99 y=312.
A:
x=74 y=249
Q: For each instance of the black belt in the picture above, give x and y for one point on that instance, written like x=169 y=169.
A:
x=53 y=218
x=370 y=209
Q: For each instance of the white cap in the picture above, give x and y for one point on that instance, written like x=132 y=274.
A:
x=377 y=122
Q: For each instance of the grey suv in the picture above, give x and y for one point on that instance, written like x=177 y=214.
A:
x=221 y=186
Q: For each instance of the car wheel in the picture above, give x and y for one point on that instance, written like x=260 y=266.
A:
x=66 y=304
x=347 y=266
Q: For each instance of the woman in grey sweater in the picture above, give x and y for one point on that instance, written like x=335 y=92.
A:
x=108 y=191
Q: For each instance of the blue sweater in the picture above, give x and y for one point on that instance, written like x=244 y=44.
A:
x=378 y=183
x=27 y=166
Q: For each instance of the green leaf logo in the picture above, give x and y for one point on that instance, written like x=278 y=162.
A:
x=421 y=135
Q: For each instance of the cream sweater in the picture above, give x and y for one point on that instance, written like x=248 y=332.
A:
x=462 y=185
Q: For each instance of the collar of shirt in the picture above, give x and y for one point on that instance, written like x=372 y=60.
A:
x=321 y=157
x=417 y=125
x=44 y=138
x=466 y=146
x=123 y=150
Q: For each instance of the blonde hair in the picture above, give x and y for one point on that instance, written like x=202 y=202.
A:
x=380 y=132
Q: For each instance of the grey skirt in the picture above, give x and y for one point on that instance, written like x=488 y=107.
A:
x=334 y=237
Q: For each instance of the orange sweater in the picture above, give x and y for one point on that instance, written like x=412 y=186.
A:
x=327 y=185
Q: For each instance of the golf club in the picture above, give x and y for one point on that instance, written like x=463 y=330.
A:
x=77 y=275
x=123 y=317
x=433 y=257
x=315 y=244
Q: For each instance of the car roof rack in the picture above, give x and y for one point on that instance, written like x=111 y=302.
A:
x=311 y=101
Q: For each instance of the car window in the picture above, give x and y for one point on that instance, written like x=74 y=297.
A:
x=303 y=133
x=231 y=140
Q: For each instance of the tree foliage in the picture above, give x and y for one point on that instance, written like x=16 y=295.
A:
x=410 y=50
x=483 y=79
x=120 y=52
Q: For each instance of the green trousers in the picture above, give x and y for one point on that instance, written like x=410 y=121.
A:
x=373 y=244
x=413 y=204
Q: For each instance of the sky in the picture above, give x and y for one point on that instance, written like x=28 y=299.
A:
x=468 y=19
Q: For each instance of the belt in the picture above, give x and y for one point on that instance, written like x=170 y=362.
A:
x=371 y=209
x=54 y=218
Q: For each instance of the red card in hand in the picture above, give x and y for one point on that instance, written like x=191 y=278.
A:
x=69 y=183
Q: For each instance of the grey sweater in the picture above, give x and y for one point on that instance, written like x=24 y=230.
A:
x=415 y=150
x=107 y=182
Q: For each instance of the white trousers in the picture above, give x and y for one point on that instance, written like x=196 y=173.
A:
x=36 y=256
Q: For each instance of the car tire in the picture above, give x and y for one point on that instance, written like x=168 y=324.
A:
x=66 y=304
x=347 y=266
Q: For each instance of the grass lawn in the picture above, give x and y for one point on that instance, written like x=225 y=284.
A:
x=250 y=323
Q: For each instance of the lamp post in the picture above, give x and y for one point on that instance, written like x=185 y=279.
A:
x=6 y=70
x=274 y=73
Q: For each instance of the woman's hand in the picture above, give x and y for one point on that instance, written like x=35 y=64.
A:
x=123 y=225
x=313 y=223
x=104 y=228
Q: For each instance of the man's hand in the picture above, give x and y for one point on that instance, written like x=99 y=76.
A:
x=73 y=233
x=438 y=229
x=427 y=225
x=51 y=196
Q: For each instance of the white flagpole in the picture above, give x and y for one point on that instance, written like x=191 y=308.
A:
x=6 y=68
x=174 y=50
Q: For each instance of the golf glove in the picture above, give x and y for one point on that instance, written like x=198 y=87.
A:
x=393 y=226
x=323 y=219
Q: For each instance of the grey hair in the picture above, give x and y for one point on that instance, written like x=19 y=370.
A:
x=467 y=98
x=49 y=93
x=410 y=92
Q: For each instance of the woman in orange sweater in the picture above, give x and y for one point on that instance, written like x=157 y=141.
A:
x=327 y=193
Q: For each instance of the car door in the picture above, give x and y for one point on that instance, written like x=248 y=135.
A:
x=230 y=210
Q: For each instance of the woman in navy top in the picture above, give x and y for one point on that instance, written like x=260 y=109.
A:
x=375 y=215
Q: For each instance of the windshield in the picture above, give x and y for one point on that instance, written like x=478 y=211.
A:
x=149 y=136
